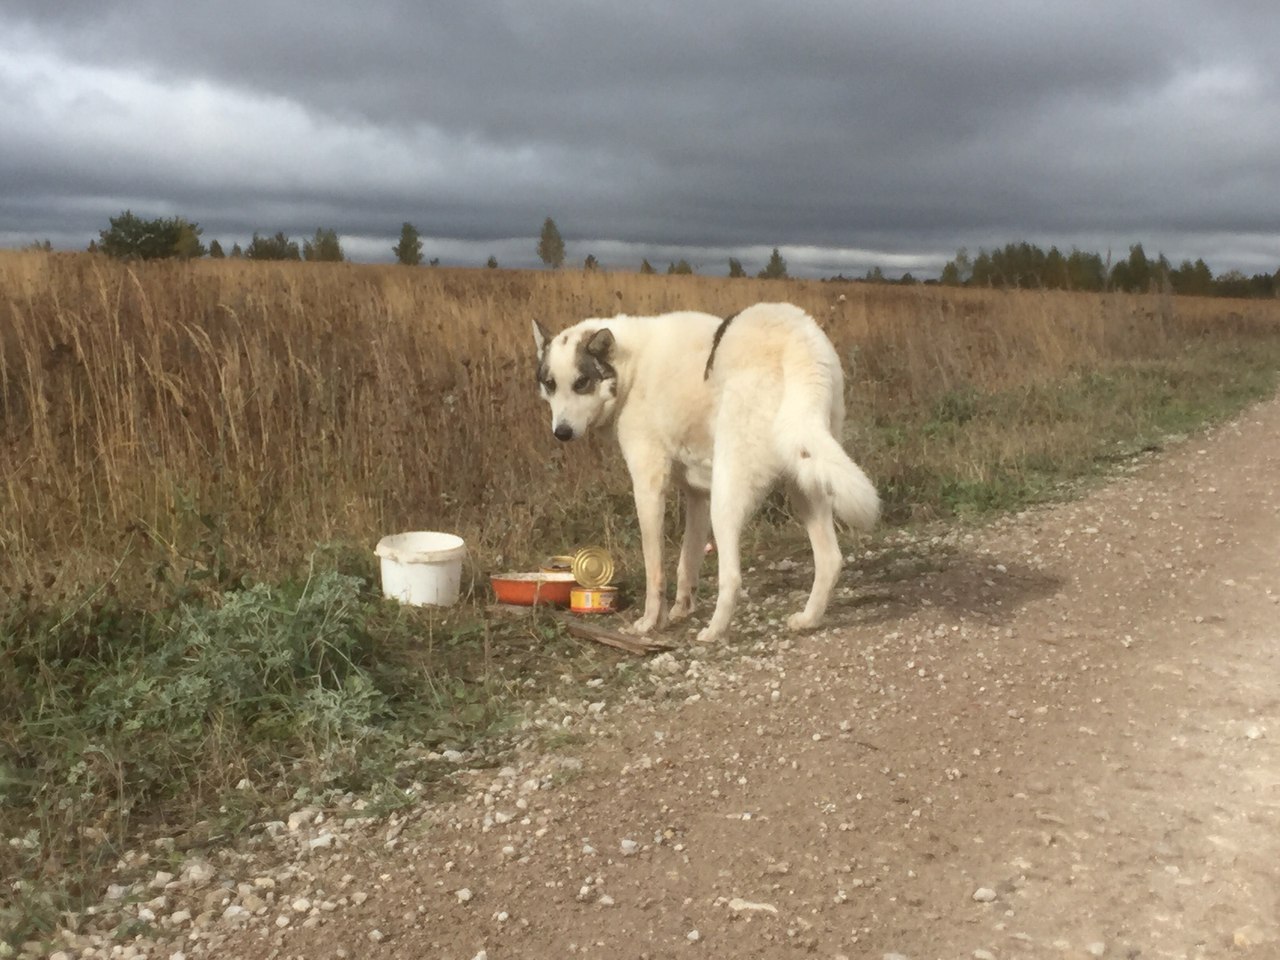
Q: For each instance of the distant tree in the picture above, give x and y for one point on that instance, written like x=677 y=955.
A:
x=215 y=250
x=735 y=268
x=409 y=250
x=591 y=263
x=433 y=262
x=1133 y=275
x=551 y=245
x=324 y=247
x=1233 y=283
x=40 y=246
x=132 y=238
x=682 y=267
x=279 y=247
x=187 y=246
x=907 y=280
x=236 y=252
x=1162 y=274
x=93 y=246
x=492 y=263
x=1085 y=271
x=646 y=267
x=1055 y=270
x=874 y=275
x=775 y=269
x=1192 y=279
x=957 y=272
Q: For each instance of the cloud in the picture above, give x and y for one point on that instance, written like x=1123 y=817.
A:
x=853 y=129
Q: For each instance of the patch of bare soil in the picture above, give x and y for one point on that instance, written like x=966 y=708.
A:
x=1060 y=739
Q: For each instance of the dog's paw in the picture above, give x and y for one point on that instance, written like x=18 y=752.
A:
x=644 y=625
x=802 y=621
x=681 y=609
x=708 y=635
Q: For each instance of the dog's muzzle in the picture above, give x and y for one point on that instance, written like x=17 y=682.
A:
x=563 y=432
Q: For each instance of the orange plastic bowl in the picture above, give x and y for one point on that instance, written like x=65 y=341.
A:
x=528 y=589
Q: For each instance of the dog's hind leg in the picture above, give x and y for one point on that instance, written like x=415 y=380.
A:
x=737 y=486
x=818 y=522
x=697 y=520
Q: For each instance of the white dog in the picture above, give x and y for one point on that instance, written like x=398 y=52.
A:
x=723 y=409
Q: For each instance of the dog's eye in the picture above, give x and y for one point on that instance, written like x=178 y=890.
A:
x=582 y=385
x=550 y=385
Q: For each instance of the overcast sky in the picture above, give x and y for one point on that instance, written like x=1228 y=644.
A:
x=850 y=134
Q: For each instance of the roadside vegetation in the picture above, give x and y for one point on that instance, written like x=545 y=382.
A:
x=199 y=457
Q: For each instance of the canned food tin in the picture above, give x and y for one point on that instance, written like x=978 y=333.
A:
x=593 y=599
x=557 y=565
x=592 y=566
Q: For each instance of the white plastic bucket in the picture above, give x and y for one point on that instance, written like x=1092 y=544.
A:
x=422 y=567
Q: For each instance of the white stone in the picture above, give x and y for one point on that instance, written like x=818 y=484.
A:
x=738 y=905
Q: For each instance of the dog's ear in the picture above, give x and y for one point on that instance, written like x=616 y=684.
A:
x=540 y=337
x=600 y=345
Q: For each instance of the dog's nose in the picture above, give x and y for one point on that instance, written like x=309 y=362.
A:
x=564 y=432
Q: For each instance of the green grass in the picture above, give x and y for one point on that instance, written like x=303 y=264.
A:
x=223 y=707
x=971 y=453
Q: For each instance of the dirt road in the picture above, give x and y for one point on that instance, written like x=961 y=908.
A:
x=1058 y=736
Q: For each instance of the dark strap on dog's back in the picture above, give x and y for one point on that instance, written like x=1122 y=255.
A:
x=715 y=342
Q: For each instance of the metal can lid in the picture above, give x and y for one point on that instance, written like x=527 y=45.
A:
x=593 y=566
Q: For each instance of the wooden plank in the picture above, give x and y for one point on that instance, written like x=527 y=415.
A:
x=611 y=638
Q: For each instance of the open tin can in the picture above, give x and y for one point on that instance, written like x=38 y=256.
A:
x=593 y=567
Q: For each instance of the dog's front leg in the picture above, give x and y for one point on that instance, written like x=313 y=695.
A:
x=649 y=482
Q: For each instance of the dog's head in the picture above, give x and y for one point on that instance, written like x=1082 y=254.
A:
x=576 y=377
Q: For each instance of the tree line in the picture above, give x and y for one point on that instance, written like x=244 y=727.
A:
x=1027 y=266
x=130 y=237
x=1013 y=266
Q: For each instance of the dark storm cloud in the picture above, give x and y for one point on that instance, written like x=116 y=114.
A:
x=860 y=127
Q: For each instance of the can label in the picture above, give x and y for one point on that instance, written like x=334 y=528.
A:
x=593 y=600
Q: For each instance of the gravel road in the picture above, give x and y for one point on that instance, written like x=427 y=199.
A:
x=1056 y=736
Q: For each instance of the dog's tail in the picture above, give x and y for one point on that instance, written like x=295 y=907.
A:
x=811 y=420
x=824 y=471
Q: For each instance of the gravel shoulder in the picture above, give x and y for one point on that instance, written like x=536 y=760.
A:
x=1060 y=738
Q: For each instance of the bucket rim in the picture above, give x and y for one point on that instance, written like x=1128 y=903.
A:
x=397 y=547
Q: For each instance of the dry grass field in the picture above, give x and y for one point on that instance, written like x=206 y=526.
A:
x=196 y=461
x=156 y=418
